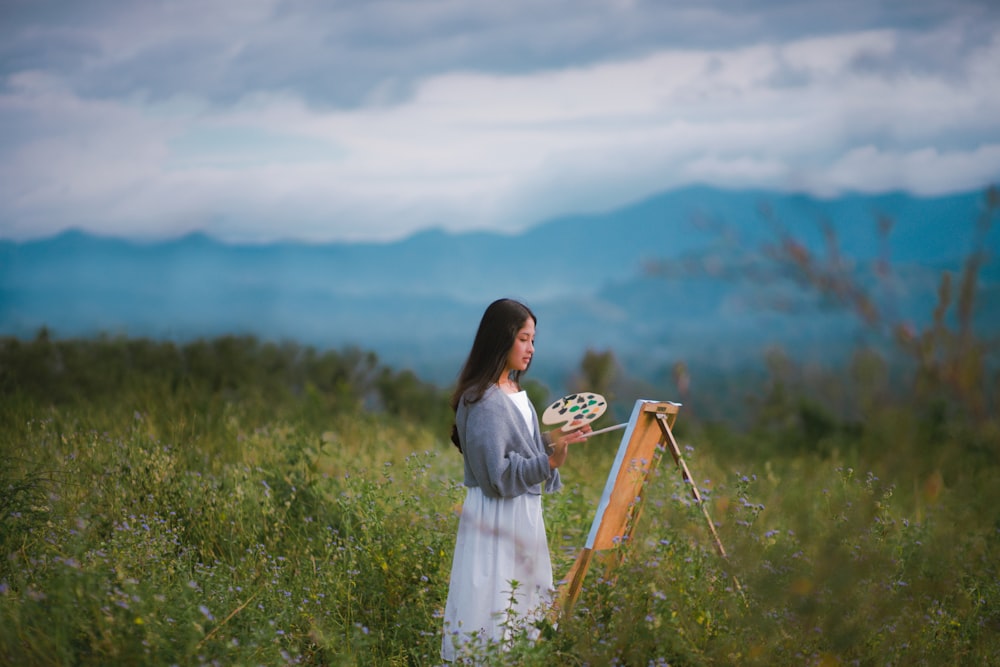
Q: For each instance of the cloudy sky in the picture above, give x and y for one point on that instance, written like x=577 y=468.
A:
x=328 y=120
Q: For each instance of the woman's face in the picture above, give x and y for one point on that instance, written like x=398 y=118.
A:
x=523 y=348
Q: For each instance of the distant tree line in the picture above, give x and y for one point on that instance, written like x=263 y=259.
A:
x=236 y=369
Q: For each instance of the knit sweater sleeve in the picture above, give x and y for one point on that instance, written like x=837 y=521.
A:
x=502 y=462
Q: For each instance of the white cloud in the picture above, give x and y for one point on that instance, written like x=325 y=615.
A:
x=471 y=149
x=925 y=170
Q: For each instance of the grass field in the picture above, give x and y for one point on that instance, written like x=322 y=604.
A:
x=233 y=503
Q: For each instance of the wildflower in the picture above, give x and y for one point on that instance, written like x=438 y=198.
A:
x=205 y=612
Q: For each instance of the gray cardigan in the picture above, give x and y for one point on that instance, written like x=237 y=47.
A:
x=502 y=457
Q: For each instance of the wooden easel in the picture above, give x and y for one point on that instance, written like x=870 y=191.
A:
x=621 y=504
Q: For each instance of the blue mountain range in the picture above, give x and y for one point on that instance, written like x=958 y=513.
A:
x=682 y=276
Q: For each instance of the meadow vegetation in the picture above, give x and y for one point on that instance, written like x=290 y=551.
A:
x=234 y=502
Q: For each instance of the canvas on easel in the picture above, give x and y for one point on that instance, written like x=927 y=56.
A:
x=648 y=432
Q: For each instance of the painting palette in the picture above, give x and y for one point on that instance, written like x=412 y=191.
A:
x=575 y=409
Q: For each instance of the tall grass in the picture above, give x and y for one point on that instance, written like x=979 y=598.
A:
x=126 y=549
x=176 y=522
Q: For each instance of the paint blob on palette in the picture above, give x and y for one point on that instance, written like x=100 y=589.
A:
x=575 y=409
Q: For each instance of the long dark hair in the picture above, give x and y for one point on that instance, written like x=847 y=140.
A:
x=495 y=337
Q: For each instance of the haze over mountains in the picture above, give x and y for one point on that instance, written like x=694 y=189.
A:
x=673 y=278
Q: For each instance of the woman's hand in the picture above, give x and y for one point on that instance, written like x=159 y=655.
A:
x=569 y=437
x=561 y=440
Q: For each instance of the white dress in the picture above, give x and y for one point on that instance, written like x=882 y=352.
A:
x=499 y=540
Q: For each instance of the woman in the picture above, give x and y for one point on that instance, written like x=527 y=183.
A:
x=501 y=572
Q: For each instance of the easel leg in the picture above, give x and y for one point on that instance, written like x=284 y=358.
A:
x=574 y=582
x=675 y=451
